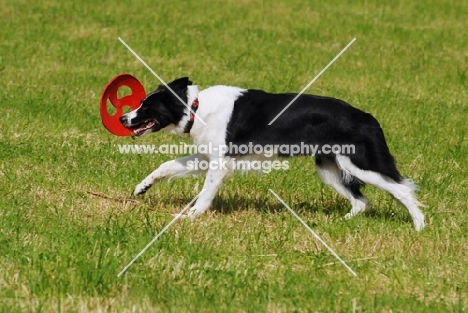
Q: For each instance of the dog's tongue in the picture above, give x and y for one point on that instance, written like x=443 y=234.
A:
x=140 y=129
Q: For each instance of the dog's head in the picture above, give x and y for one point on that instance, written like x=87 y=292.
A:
x=159 y=109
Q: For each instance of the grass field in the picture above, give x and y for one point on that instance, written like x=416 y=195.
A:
x=68 y=224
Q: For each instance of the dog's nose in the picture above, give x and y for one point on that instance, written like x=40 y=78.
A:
x=123 y=119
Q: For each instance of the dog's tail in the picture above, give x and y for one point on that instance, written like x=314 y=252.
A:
x=372 y=153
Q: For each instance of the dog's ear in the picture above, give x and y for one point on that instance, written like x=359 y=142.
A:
x=180 y=83
x=179 y=86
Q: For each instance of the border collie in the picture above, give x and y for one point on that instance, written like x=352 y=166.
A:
x=240 y=116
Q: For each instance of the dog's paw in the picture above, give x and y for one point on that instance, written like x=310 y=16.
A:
x=195 y=213
x=180 y=216
x=141 y=189
x=419 y=222
x=192 y=214
x=349 y=216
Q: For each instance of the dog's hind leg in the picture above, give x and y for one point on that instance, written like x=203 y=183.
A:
x=402 y=190
x=343 y=183
x=174 y=168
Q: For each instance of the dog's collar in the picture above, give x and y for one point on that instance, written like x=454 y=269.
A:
x=193 y=110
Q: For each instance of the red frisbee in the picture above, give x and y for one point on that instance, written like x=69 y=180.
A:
x=111 y=122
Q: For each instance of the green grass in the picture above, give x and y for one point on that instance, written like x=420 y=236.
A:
x=62 y=245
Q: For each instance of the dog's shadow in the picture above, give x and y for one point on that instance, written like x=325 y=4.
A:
x=334 y=206
x=239 y=203
x=225 y=205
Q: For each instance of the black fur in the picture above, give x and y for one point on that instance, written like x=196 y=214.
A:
x=312 y=120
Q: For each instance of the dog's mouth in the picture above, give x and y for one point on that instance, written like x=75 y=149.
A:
x=142 y=128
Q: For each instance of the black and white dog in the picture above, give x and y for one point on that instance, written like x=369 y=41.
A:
x=240 y=116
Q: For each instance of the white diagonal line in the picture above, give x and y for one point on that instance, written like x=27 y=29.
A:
x=158 y=235
x=314 y=233
x=160 y=79
x=312 y=81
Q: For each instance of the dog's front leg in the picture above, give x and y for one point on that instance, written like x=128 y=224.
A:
x=213 y=181
x=178 y=167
